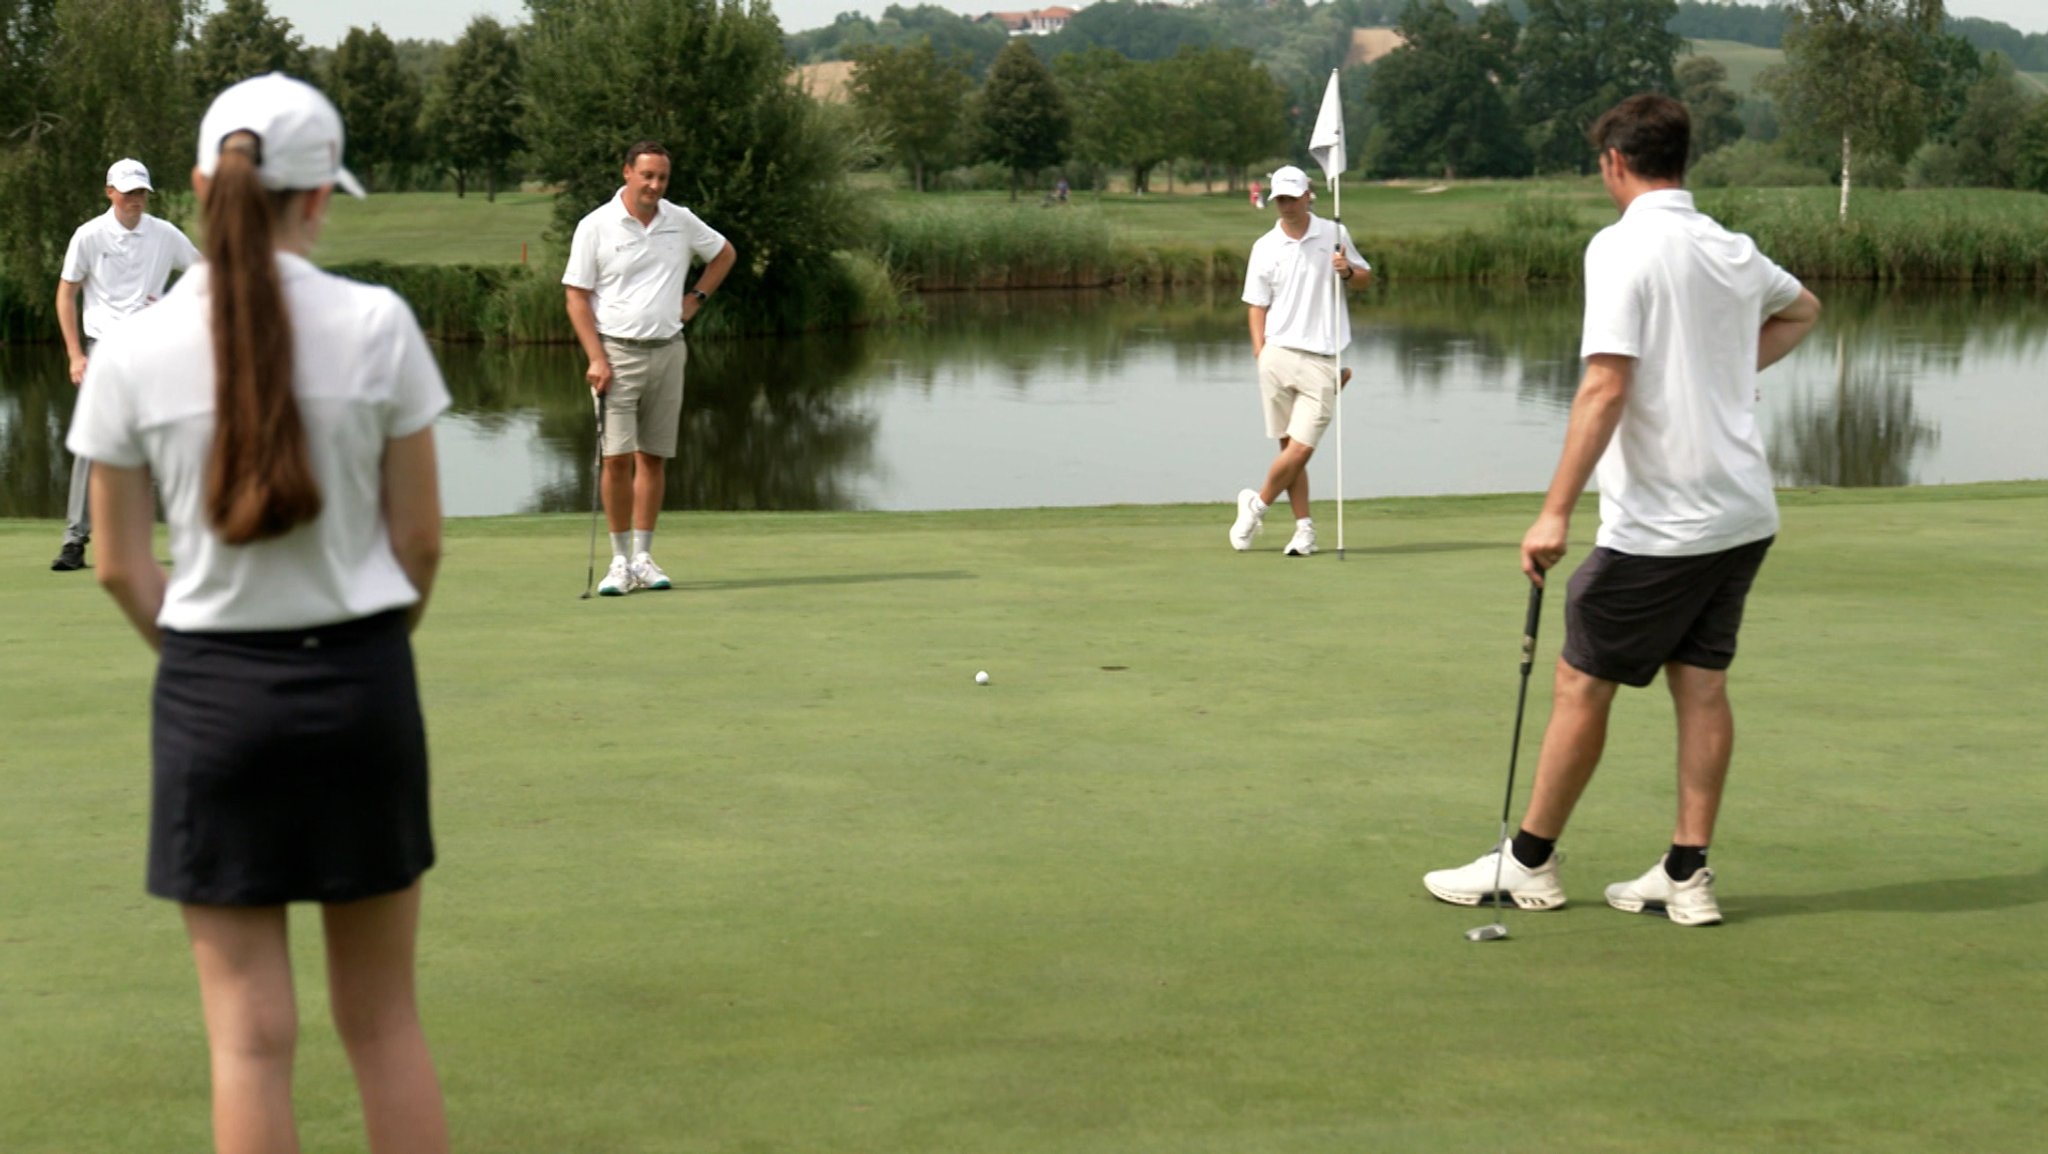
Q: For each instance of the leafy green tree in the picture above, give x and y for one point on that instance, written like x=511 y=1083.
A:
x=2033 y=148
x=88 y=82
x=756 y=158
x=912 y=98
x=1021 y=118
x=1137 y=30
x=1579 y=58
x=1439 y=100
x=1716 y=111
x=242 y=40
x=473 y=109
x=1989 y=134
x=379 y=103
x=1851 y=73
x=1118 y=107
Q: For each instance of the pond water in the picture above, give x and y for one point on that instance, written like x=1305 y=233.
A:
x=1008 y=400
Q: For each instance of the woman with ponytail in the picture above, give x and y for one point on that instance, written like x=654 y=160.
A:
x=287 y=417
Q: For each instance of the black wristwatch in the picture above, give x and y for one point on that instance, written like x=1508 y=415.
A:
x=700 y=294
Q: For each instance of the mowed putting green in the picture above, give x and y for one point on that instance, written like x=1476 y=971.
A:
x=754 y=865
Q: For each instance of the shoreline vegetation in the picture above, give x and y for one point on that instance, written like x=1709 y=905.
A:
x=1496 y=233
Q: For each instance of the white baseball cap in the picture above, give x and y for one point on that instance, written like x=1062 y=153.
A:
x=1289 y=181
x=127 y=175
x=299 y=129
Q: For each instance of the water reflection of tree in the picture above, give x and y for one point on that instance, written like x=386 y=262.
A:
x=1865 y=435
x=766 y=424
x=35 y=403
x=1446 y=332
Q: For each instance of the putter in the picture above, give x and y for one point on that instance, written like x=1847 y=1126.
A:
x=1499 y=929
x=596 y=489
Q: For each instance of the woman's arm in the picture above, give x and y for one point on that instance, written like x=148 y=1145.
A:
x=412 y=512
x=124 y=514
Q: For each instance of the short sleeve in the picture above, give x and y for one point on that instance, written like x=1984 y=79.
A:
x=1781 y=289
x=1614 y=301
x=418 y=394
x=77 y=261
x=103 y=425
x=704 y=241
x=184 y=254
x=582 y=270
x=1351 y=252
x=1258 y=287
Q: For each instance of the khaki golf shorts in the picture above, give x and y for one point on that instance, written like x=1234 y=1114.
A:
x=645 y=403
x=1300 y=392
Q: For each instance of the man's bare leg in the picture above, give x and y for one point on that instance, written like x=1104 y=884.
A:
x=1706 y=742
x=1289 y=469
x=617 y=491
x=650 y=482
x=1572 y=744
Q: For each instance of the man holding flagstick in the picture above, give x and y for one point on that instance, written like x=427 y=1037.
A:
x=1293 y=289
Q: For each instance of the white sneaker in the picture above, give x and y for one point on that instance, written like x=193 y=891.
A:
x=1250 y=519
x=1688 y=903
x=618 y=580
x=1303 y=542
x=648 y=575
x=1529 y=889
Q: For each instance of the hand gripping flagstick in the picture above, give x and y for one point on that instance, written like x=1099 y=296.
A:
x=1326 y=145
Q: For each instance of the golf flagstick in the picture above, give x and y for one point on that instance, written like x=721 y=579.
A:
x=1326 y=145
x=1499 y=928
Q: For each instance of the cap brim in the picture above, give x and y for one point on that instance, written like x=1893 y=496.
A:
x=347 y=182
x=131 y=187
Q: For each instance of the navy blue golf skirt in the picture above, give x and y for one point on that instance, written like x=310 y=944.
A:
x=288 y=766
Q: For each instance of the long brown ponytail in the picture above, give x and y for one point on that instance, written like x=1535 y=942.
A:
x=259 y=479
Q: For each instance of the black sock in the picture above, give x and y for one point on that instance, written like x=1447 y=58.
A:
x=1684 y=861
x=1532 y=851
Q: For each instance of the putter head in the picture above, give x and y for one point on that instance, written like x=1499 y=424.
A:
x=1492 y=933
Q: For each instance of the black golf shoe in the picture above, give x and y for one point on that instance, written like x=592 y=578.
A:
x=71 y=557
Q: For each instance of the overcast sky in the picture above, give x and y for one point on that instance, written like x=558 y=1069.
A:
x=324 y=22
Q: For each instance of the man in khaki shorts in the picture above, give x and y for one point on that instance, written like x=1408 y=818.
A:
x=1299 y=323
x=628 y=306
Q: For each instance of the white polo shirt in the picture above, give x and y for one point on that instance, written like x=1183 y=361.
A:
x=364 y=377
x=635 y=273
x=123 y=269
x=1292 y=280
x=1686 y=472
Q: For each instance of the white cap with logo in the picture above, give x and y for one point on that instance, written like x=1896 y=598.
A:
x=299 y=130
x=127 y=175
x=1289 y=181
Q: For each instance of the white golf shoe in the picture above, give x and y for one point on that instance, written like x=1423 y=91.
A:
x=1303 y=543
x=1687 y=903
x=1250 y=519
x=1471 y=885
x=648 y=575
x=618 y=580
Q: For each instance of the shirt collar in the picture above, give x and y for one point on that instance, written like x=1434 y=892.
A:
x=1663 y=198
x=625 y=210
x=1315 y=225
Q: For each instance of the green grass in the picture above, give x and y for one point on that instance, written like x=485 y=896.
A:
x=1745 y=62
x=754 y=866
x=439 y=228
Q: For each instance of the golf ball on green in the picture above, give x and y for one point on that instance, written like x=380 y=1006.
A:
x=981 y=678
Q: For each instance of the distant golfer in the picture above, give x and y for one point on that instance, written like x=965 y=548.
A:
x=121 y=260
x=628 y=305
x=1681 y=316
x=288 y=417
x=1299 y=323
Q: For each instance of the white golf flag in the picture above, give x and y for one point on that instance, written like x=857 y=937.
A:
x=1326 y=143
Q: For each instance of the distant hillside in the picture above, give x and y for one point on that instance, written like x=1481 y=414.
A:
x=1745 y=62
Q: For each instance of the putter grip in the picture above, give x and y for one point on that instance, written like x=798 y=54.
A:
x=1529 y=627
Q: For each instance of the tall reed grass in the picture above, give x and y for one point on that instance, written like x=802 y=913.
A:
x=941 y=247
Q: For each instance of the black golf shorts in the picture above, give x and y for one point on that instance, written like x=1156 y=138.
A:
x=1627 y=615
